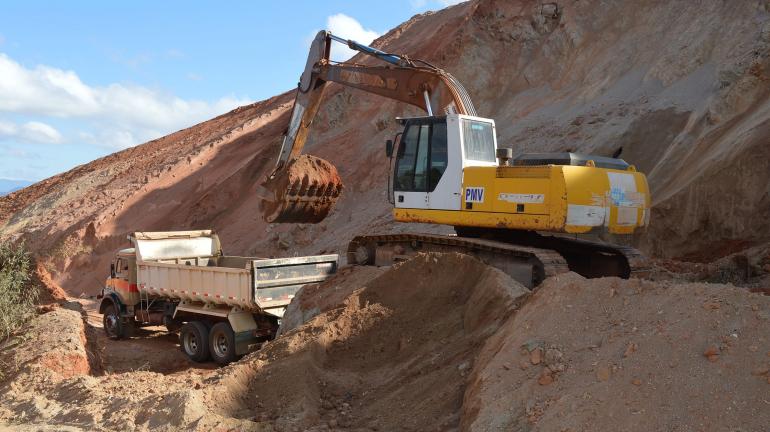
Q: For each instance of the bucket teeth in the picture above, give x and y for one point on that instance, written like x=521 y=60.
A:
x=304 y=192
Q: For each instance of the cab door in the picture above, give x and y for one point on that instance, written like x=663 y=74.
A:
x=410 y=180
x=421 y=161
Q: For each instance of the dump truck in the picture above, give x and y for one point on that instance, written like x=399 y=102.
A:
x=223 y=306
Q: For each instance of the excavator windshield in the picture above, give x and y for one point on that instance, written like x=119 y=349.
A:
x=478 y=140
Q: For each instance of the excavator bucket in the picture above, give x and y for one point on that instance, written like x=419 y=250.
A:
x=304 y=192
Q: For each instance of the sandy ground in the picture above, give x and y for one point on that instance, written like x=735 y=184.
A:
x=440 y=342
x=148 y=349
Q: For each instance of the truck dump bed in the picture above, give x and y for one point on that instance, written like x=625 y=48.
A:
x=190 y=266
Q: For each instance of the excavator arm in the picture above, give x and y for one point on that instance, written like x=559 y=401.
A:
x=305 y=188
x=426 y=87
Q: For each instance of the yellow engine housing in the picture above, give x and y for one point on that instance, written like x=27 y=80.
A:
x=555 y=198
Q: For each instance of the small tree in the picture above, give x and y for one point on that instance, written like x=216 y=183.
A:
x=17 y=292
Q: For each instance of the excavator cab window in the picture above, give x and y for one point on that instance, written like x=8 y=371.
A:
x=478 y=140
x=422 y=156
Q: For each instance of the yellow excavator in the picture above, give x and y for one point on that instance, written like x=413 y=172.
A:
x=522 y=214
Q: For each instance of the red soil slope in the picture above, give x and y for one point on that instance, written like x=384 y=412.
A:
x=681 y=87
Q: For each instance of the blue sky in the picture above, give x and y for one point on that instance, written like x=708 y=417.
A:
x=79 y=80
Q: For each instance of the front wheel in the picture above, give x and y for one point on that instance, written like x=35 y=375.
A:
x=222 y=343
x=113 y=323
x=193 y=337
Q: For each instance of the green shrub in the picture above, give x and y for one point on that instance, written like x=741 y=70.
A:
x=17 y=292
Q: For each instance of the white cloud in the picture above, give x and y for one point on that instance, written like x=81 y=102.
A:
x=421 y=4
x=134 y=113
x=347 y=27
x=30 y=132
x=39 y=132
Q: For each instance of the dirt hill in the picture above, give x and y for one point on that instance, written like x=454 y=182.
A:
x=679 y=88
x=438 y=343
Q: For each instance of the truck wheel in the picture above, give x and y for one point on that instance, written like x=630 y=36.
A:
x=193 y=338
x=222 y=343
x=113 y=323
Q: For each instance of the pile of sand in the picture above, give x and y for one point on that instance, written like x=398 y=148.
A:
x=626 y=355
x=441 y=342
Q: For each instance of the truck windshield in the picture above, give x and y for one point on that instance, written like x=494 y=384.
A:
x=478 y=140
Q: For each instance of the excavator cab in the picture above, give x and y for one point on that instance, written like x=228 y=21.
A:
x=431 y=154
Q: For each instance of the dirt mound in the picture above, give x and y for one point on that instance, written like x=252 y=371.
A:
x=53 y=349
x=393 y=356
x=610 y=354
x=314 y=299
x=51 y=292
x=441 y=342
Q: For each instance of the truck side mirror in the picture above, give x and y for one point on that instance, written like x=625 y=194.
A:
x=389 y=148
x=112 y=270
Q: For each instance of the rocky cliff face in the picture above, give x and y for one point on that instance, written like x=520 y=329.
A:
x=680 y=89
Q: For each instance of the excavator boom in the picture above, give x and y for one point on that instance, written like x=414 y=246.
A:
x=305 y=188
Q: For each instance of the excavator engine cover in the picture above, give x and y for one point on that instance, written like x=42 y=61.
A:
x=304 y=192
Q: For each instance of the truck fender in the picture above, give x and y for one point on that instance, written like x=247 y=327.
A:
x=109 y=299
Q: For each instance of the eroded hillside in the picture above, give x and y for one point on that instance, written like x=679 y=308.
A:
x=679 y=88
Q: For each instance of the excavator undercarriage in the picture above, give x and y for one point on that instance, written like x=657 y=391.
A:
x=527 y=257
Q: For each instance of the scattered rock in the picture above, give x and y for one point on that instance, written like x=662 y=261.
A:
x=536 y=356
x=603 y=374
x=545 y=378
x=630 y=349
x=712 y=353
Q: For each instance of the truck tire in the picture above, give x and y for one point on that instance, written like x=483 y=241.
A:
x=222 y=343
x=113 y=322
x=193 y=337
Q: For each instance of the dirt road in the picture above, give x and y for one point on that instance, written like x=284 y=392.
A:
x=148 y=349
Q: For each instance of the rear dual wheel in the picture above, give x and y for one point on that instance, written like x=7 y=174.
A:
x=194 y=338
x=199 y=342
x=222 y=343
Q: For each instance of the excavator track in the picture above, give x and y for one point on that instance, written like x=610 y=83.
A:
x=528 y=265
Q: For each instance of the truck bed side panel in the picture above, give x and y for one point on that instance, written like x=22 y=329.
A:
x=204 y=284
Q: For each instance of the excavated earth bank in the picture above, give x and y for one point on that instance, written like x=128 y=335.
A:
x=441 y=342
